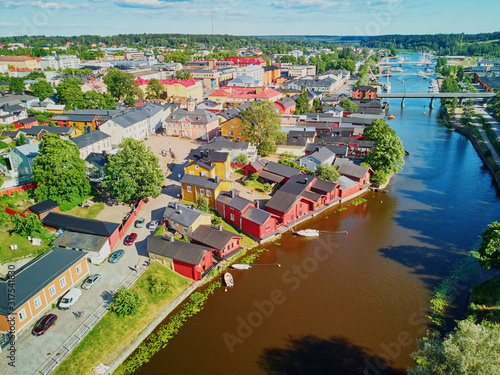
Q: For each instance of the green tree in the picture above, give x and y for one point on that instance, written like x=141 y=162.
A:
x=242 y=159
x=21 y=140
x=489 y=251
x=469 y=350
x=183 y=75
x=467 y=112
x=94 y=100
x=216 y=220
x=267 y=187
x=70 y=93
x=302 y=103
x=327 y=172
x=16 y=84
x=59 y=171
x=202 y=204
x=377 y=129
x=347 y=104
x=254 y=176
x=155 y=89
x=362 y=81
x=133 y=172
x=129 y=101
x=450 y=85
x=42 y=90
x=121 y=84
x=460 y=73
x=261 y=125
x=35 y=75
x=126 y=302
x=31 y=225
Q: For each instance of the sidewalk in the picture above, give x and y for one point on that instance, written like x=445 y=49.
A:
x=494 y=125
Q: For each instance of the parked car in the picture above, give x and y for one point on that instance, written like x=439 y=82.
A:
x=129 y=240
x=70 y=298
x=116 y=256
x=44 y=324
x=154 y=224
x=91 y=280
x=140 y=223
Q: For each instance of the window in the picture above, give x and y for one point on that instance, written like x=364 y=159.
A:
x=209 y=193
x=52 y=290
x=202 y=191
x=191 y=173
x=22 y=315
x=232 y=126
x=231 y=132
x=203 y=174
x=268 y=228
x=196 y=166
x=189 y=189
x=62 y=282
x=232 y=217
x=185 y=230
x=78 y=269
x=37 y=302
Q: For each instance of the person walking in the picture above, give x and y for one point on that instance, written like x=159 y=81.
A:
x=135 y=268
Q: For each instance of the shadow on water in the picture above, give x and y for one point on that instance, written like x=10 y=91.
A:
x=313 y=355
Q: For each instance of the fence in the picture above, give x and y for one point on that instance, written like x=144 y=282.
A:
x=76 y=337
x=10 y=211
x=18 y=189
x=124 y=226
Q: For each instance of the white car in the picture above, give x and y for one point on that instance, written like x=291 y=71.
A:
x=154 y=224
x=69 y=299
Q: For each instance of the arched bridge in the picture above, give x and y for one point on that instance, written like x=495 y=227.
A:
x=435 y=95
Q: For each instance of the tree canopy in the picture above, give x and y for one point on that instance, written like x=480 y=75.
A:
x=302 y=104
x=133 y=172
x=42 y=89
x=261 y=125
x=347 y=104
x=121 y=84
x=155 y=89
x=489 y=251
x=16 y=84
x=59 y=171
x=126 y=302
x=327 y=172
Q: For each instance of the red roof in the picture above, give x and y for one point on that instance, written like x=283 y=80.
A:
x=247 y=60
x=246 y=92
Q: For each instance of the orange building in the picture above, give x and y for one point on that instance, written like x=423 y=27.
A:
x=271 y=74
x=27 y=292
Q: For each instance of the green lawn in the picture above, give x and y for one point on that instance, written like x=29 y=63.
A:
x=86 y=213
x=24 y=247
x=113 y=334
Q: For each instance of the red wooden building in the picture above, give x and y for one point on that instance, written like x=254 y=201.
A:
x=187 y=259
x=225 y=243
x=353 y=171
x=259 y=223
x=230 y=206
x=364 y=92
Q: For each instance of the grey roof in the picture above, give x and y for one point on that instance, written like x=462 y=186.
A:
x=281 y=169
x=231 y=113
x=236 y=202
x=256 y=215
x=286 y=102
x=27 y=120
x=44 y=206
x=202 y=163
x=204 y=182
x=357 y=120
x=10 y=133
x=322 y=155
x=365 y=88
x=346 y=182
x=337 y=149
x=74 y=117
x=323 y=186
x=182 y=214
x=273 y=177
x=81 y=241
x=89 y=138
x=311 y=195
x=36 y=275
x=223 y=143
x=137 y=114
x=198 y=115
x=213 y=237
x=259 y=164
x=59 y=130
x=352 y=170
x=297 y=184
x=299 y=138
x=282 y=201
x=29 y=150
x=208 y=154
x=81 y=225
x=178 y=250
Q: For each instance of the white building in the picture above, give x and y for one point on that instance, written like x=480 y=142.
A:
x=94 y=142
x=254 y=71
x=59 y=62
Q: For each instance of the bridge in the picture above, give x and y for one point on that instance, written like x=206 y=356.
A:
x=435 y=95
x=400 y=63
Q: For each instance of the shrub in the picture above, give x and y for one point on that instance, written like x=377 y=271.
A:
x=158 y=284
x=254 y=177
x=267 y=187
x=216 y=220
x=160 y=230
x=242 y=159
x=125 y=302
x=202 y=204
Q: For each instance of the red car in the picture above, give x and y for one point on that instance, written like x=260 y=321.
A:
x=129 y=240
x=44 y=324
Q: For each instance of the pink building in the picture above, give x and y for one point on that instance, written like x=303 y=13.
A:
x=192 y=123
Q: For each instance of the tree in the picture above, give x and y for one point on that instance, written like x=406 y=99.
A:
x=126 y=302
x=489 y=251
x=302 y=103
x=467 y=112
x=202 y=204
x=362 y=81
x=327 y=172
x=94 y=100
x=16 y=84
x=155 y=89
x=42 y=90
x=183 y=75
x=133 y=172
x=450 y=85
x=470 y=349
x=460 y=73
x=377 y=129
x=347 y=104
x=261 y=125
x=35 y=75
x=21 y=140
x=70 y=93
x=31 y=225
x=121 y=84
x=254 y=176
x=59 y=171
x=242 y=159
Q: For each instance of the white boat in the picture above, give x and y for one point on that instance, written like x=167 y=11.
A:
x=387 y=86
x=241 y=266
x=308 y=233
x=228 y=279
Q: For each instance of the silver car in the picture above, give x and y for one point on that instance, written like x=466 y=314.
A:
x=91 y=280
x=154 y=224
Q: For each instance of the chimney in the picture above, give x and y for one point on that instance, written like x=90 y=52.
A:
x=220 y=227
x=172 y=239
x=305 y=180
x=217 y=179
x=232 y=193
x=317 y=148
x=176 y=206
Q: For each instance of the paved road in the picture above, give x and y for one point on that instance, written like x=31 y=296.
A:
x=495 y=126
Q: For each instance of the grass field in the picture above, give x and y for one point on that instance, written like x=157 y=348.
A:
x=86 y=213
x=24 y=247
x=113 y=334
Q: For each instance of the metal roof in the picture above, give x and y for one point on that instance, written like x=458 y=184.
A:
x=204 y=182
x=81 y=225
x=90 y=138
x=234 y=201
x=44 y=206
x=209 y=155
x=323 y=186
x=282 y=201
x=182 y=214
x=80 y=241
x=270 y=176
x=297 y=184
x=213 y=237
x=351 y=169
x=178 y=250
x=281 y=169
x=256 y=215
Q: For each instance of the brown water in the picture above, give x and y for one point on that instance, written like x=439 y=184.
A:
x=341 y=301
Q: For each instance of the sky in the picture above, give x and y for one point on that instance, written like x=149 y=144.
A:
x=248 y=17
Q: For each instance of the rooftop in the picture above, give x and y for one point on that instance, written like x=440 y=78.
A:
x=178 y=250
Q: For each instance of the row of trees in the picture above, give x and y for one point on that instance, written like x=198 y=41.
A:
x=69 y=92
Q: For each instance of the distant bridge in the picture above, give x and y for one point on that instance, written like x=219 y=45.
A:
x=435 y=95
x=425 y=62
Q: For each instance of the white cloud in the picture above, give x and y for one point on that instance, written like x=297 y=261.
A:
x=147 y=3
x=43 y=4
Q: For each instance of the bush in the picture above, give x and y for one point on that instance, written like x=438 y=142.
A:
x=159 y=231
x=254 y=176
x=125 y=302
x=216 y=220
x=202 y=204
x=379 y=177
x=267 y=187
x=242 y=159
x=158 y=284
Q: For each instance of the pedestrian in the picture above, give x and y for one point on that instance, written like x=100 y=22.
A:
x=135 y=268
x=78 y=314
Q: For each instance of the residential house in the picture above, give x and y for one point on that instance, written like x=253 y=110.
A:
x=232 y=127
x=81 y=225
x=38 y=285
x=285 y=105
x=27 y=122
x=203 y=160
x=329 y=190
x=296 y=142
x=37 y=132
x=192 y=123
x=340 y=151
x=319 y=156
x=12 y=98
x=187 y=259
x=259 y=223
x=185 y=219
x=10 y=114
x=317 y=84
x=364 y=92
x=225 y=244
x=210 y=106
x=231 y=206
x=95 y=85
x=21 y=161
x=355 y=172
x=278 y=173
x=94 y=142
x=48 y=106
x=233 y=96
x=43 y=208
x=194 y=187
x=347 y=186
x=136 y=123
x=83 y=122
x=257 y=166
x=96 y=248
x=233 y=148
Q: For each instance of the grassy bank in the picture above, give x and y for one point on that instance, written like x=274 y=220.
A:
x=113 y=334
x=485 y=304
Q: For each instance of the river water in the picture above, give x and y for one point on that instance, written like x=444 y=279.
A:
x=356 y=303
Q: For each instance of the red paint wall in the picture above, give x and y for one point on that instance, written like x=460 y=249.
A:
x=19 y=189
x=257 y=230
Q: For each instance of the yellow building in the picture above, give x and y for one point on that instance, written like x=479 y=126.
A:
x=232 y=128
x=185 y=219
x=208 y=163
x=21 y=62
x=194 y=187
x=183 y=88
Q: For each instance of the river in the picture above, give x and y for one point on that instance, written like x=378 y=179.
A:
x=351 y=304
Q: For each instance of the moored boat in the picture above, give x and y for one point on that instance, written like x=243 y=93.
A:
x=308 y=233
x=391 y=117
x=228 y=279
x=241 y=266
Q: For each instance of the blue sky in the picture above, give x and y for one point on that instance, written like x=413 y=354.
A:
x=248 y=17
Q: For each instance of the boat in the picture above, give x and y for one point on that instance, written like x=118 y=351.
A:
x=391 y=117
x=228 y=279
x=308 y=233
x=241 y=266
x=387 y=86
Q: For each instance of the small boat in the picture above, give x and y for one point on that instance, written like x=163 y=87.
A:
x=241 y=266
x=308 y=233
x=228 y=279
x=391 y=117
